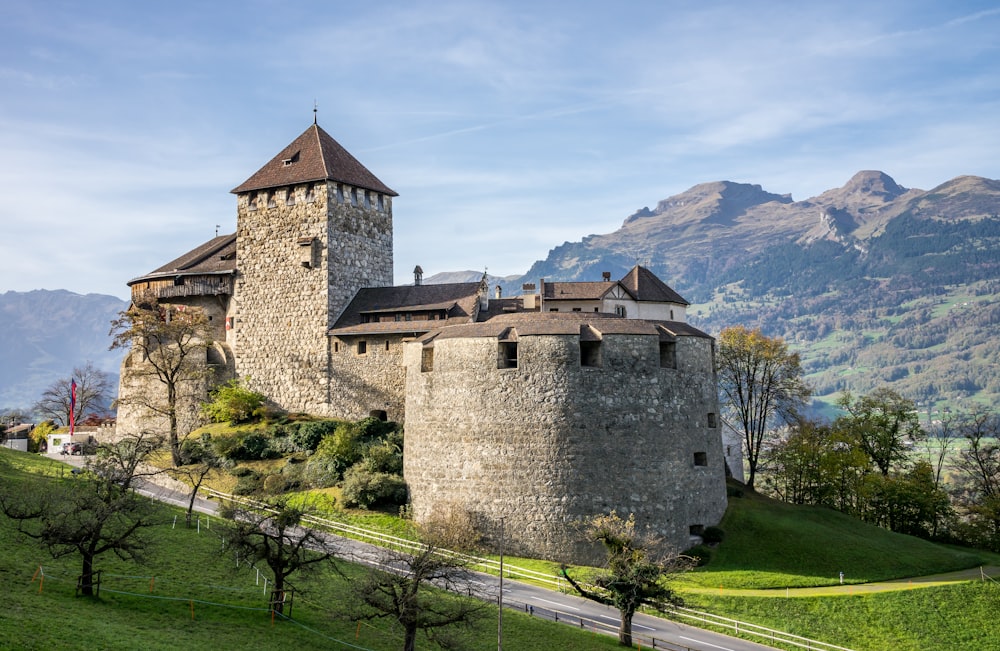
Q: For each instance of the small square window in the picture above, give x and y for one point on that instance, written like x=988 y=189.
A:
x=507 y=354
x=700 y=459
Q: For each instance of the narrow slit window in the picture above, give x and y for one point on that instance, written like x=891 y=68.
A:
x=668 y=354
x=427 y=360
x=713 y=422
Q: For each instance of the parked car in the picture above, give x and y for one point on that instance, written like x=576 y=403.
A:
x=72 y=448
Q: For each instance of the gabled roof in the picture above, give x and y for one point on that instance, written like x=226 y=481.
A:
x=643 y=284
x=458 y=300
x=313 y=156
x=216 y=256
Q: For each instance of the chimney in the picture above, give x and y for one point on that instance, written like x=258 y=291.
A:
x=607 y=276
x=418 y=275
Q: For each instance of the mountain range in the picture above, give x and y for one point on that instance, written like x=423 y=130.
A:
x=48 y=333
x=872 y=283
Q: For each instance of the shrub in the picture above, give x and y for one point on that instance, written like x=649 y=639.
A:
x=365 y=489
x=248 y=484
x=701 y=553
x=234 y=403
x=309 y=435
x=245 y=447
x=713 y=535
x=386 y=456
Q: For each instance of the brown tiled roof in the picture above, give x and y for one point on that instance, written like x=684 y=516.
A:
x=458 y=299
x=216 y=256
x=313 y=156
x=577 y=291
x=645 y=286
x=590 y=326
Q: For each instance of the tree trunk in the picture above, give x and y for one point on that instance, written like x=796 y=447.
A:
x=410 y=637
x=87 y=577
x=625 y=629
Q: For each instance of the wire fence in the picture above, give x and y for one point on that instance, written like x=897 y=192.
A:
x=201 y=600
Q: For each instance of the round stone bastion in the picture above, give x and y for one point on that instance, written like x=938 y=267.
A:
x=531 y=423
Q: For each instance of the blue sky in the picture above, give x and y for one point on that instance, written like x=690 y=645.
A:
x=506 y=127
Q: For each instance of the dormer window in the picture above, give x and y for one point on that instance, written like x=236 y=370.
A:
x=290 y=161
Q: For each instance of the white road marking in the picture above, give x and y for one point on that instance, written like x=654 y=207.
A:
x=691 y=639
x=555 y=603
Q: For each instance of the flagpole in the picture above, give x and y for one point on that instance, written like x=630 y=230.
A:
x=72 y=407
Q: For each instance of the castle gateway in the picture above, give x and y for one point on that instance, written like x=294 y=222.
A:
x=538 y=410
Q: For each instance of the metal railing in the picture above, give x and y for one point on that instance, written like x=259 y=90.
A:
x=492 y=567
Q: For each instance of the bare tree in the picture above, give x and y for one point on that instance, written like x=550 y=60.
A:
x=274 y=533
x=760 y=386
x=199 y=461
x=93 y=388
x=978 y=465
x=408 y=587
x=168 y=345
x=90 y=514
x=636 y=572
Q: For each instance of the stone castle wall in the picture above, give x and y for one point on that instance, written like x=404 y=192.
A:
x=138 y=387
x=300 y=263
x=375 y=380
x=550 y=443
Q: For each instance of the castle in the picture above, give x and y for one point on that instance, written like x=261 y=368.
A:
x=534 y=411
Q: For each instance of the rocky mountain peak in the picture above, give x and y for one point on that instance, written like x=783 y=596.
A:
x=718 y=201
x=873 y=183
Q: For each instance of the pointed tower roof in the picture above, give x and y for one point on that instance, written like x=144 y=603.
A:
x=645 y=286
x=313 y=156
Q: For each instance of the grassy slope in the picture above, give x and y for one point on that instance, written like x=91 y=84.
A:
x=190 y=566
x=771 y=544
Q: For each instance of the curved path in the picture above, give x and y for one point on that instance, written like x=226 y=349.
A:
x=990 y=572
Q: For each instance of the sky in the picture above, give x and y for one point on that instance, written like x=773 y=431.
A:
x=507 y=128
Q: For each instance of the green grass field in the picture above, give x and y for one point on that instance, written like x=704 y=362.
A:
x=191 y=595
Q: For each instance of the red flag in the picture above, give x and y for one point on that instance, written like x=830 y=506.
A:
x=72 y=407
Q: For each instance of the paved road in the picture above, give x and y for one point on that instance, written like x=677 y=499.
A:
x=519 y=596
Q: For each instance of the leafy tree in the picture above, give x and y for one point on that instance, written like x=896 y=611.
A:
x=91 y=514
x=168 y=345
x=406 y=588
x=636 y=573
x=882 y=424
x=274 y=533
x=93 y=388
x=233 y=403
x=760 y=385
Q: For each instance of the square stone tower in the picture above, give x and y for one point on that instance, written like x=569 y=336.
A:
x=313 y=227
